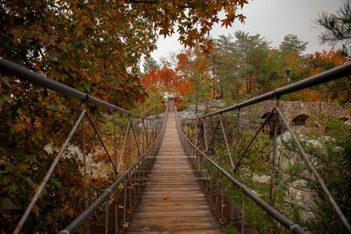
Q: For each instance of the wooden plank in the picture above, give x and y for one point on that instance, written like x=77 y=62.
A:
x=207 y=231
x=190 y=207
x=167 y=188
x=166 y=203
x=173 y=202
x=157 y=226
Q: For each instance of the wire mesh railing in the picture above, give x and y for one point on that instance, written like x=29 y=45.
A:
x=257 y=173
x=121 y=198
x=116 y=150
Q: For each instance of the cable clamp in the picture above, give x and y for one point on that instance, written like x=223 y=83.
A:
x=293 y=226
x=86 y=98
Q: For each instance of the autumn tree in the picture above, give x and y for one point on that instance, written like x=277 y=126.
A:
x=93 y=46
x=189 y=78
x=161 y=82
x=153 y=101
x=193 y=68
x=338 y=90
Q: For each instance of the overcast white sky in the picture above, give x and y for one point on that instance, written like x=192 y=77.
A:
x=272 y=19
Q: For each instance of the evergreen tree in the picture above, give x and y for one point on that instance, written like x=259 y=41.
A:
x=292 y=44
x=337 y=27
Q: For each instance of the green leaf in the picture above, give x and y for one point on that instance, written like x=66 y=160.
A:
x=55 y=181
x=86 y=86
x=6 y=81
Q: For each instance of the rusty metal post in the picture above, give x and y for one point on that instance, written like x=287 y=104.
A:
x=107 y=207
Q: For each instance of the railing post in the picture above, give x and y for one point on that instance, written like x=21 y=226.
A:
x=128 y=159
x=107 y=206
x=153 y=130
x=125 y=203
x=242 y=212
x=116 y=213
x=125 y=142
x=205 y=135
x=130 y=191
x=236 y=158
x=115 y=145
x=149 y=131
x=274 y=154
x=222 y=199
x=236 y=153
x=86 y=195
x=135 y=139
x=146 y=127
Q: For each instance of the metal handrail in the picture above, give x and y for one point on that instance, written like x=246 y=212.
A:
x=274 y=213
x=324 y=77
x=24 y=73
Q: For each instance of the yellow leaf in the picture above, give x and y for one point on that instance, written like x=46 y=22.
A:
x=97 y=78
x=121 y=186
x=19 y=126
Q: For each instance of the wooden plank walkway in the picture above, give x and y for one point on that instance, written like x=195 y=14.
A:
x=173 y=201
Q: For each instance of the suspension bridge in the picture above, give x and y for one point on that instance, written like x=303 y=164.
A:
x=175 y=184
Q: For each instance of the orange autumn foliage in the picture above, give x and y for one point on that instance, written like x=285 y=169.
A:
x=167 y=80
x=330 y=57
x=322 y=61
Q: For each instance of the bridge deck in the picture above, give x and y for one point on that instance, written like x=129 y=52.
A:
x=173 y=201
